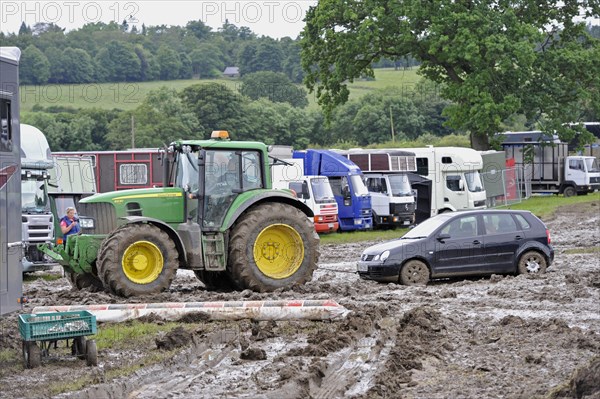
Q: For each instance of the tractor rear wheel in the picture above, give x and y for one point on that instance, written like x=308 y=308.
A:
x=137 y=259
x=272 y=246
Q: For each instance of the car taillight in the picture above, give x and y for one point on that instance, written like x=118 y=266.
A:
x=548 y=236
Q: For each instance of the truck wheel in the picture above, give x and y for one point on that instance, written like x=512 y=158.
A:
x=272 y=246
x=137 y=259
x=570 y=191
x=214 y=280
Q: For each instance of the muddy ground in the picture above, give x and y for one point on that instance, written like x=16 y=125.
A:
x=494 y=337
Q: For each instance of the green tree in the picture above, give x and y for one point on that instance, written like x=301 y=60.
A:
x=34 y=67
x=169 y=63
x=24 y=29
x=198 y=29
x=78 y=66
x=118 y=62
x=274 y=86
x=207 y=61
x=494 y=59
x=216 y=106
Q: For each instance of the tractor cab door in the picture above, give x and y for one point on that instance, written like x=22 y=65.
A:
x=227 y=174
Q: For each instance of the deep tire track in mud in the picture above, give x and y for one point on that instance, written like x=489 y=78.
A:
x=493 y=337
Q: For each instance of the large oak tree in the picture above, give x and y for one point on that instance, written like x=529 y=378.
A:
x=492 y=58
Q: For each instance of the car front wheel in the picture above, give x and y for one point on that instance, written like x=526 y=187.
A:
x=532 y=262
x=414 y=272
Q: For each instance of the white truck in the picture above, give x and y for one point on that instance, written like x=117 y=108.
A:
x=455 y=176
x=547 y=165
x=314 y=191
x=386 y=177
x=36 y=216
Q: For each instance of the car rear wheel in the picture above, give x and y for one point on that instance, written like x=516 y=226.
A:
x=414 y=272
x=532 y=262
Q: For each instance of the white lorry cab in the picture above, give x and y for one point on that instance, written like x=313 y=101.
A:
x=455 y=175
x=386 y=177
x=314 y=191
x=36 y=215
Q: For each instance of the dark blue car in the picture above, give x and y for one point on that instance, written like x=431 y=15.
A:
x=462 y=244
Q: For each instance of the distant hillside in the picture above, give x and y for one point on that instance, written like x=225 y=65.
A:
x=127 y=96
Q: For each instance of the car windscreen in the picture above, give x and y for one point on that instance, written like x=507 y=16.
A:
x=428 y=226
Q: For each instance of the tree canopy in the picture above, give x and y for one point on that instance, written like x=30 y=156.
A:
x=493 y=59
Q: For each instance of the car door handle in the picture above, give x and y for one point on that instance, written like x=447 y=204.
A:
x=476 y=242
x=518 y=237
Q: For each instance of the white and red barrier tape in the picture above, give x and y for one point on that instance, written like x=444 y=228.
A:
x=223 y=310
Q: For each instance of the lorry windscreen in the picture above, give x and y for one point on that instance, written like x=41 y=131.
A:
x=474 y=181
x=33 y=196
x=322 y=190
x=592 y=165
x=358 y=185
x=400 y=185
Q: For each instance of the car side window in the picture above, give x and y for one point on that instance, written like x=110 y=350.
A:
x=496 y=224
x=523 y=222
x=462 y=227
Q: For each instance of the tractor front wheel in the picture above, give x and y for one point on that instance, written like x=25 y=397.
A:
x=84 y=281
x=272 y=246
x=137 y=259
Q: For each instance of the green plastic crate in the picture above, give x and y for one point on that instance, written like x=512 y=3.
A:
x=56 y=325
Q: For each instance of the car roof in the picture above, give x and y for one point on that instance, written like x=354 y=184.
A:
x=488 y=211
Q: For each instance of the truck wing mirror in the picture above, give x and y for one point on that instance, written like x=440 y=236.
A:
x=461 y=185
x=346 y=191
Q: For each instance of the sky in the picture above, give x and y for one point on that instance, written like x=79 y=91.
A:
x=275 y=18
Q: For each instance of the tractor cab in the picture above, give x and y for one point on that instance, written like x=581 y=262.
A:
x=213 y=174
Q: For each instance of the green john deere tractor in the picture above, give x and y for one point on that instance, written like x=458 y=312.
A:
x=216 y=215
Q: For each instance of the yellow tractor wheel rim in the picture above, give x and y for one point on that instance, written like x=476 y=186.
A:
x=278 y=251
x=142 y=262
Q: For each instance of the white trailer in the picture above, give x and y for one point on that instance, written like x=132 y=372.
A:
x=547 y=165
x=11 y=278
x=455 y=175
x=314 y=191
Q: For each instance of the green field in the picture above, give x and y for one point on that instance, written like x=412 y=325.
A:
x=128 y=96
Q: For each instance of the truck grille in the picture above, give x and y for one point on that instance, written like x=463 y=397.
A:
x=39 y=228
x=402 y=208
x=104 y=215
x=479 y=203
x=594 y=180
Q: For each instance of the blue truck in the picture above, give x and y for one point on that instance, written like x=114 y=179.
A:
x=346 y=179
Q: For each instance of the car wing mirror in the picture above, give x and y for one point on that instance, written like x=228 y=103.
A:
x=443 y=237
